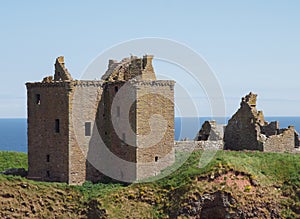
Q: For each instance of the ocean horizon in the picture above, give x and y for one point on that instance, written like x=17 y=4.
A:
x=13 y=132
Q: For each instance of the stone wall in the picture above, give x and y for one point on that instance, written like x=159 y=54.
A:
x=283 y=142
x=121 y=126
x=83 y=132
x=210 y=131
x=189 y=146
x=131 y=108
x=248 y=130
x=134 y=102
x=154 y=126
x=48 y=152
x=130 y=68
x=118 y=129
x=243 y=129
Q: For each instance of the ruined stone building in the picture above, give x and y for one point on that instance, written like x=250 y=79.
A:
x=210 y=131
x=248 y=130
x=121 y=126
x=209 y=137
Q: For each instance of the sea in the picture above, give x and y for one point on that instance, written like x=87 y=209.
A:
x=13 y=132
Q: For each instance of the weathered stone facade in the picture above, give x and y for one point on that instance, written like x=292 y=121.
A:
x=121 y=126
x=210 y=131
x=209 y=137
x=190 y=146
x=248 y=130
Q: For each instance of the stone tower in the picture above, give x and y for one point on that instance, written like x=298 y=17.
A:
x=132 y=93
x=121 y=126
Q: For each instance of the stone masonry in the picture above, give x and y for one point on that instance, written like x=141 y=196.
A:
x=210 y=131
x=209 y=137
x=248 y=130
x=121 y=126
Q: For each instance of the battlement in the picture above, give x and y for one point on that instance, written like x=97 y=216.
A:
x=49 y=84
x=86 y=83
x=61 y=72
x=157 y=83
x=129 y=68
x=250 y=99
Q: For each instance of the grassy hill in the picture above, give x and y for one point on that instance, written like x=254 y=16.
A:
x=232 y=185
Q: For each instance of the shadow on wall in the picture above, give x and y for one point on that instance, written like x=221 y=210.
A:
x=109 y=158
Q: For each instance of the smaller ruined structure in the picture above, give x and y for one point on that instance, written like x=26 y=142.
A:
x=210 y=137
x=210 y=131
x=248 y=130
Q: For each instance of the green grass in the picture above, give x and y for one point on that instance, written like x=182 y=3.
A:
x=266 y=167
x=12 y=160
x=90 y=190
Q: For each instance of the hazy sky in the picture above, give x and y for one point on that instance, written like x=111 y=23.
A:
x=250 y=45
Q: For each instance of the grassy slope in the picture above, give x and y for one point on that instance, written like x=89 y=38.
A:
x=12 y=160
x=277 y=176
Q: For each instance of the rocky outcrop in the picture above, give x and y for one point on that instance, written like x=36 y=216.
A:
x=215 y=204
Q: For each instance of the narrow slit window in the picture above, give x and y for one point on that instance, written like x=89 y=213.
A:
x=48 y=158
x=48 y=173
x=38 y=99
x=118 y=111
x=57 y=128
x=123 y=137
x=156 y=158
x=116 y=89
x=87 y=129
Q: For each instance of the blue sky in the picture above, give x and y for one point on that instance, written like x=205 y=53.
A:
x=250 y=45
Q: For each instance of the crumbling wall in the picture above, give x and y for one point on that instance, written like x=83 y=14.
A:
x=210 y=131
x=270 y=129
x=61 y=72
x=248 y=130
x=284 y=142
x=130 y=68
x=243 y=129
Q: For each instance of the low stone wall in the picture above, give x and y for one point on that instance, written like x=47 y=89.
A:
x=284 y=142
x=189 y=146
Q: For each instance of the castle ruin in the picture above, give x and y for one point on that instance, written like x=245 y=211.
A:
x=121 y=126
x=248 y=130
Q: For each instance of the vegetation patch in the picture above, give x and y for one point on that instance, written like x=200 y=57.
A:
x=234 y=184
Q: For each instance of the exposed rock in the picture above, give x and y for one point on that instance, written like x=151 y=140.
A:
x=210 y=205
x=96 y=211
